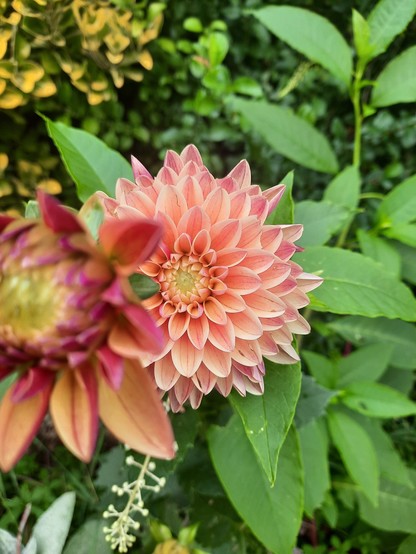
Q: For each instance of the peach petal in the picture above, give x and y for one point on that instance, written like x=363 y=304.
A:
x=300 y=326
x=193 y=221
x=232 y=302
x=225 y=385
x=183 y=388
x=174 y=161
x=264 y=303
x=285 y=250
x=292 y=232
x=124 y=187
x=166 y=176
x=135 y=414
x=273 y=196
x=258 y=260
x=259 y=208
x=222 y=336
x=247 y=353
x=198 y=331
x=19 y=423
x=165 y=372
x=183 y=244
x=171 y=202
x=219 y=363
x=112 y=366
x=271 y=237
x=201 y=242
x=145 y=329
x=275 y=275
x=214 y=311
x=225 y=234
x=191 y=154
x=178 y=324
x=139 y=169
x=204 y=379
x=191 y=191
x=240 y=205
x=251 y=233
x=217 y=205
x=230 y=257
x=73 y=408
x=243 y=280
x=246 y=325
x=195 y=398
x=241 y=173
x=186 y=358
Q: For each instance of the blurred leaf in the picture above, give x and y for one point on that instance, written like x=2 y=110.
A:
x=193 y=24
x=381 y=251
x=32 y=210
x=112 y=467
x=283 y=214
x=399 y=206
x=313 y=401
x=247 y=86
x=387 y=20
x=89 y=161
x=321 y=220
x=314 y=447
x=408 y=260
x=217 y=48
x=322 y=368
x=312 y=35
x=365 y=364
x=408 y=546
x=396 y=510
x=143 y=286
x=397 y=82
x=357 y=452
x=259 y=504
x=361 y=31
x=405 y=233
x=51 y=529
x=401 y=335
x=289 y=134
x=354 y=284
x=89 y=539
x=267 y=418
x=344 y=189
x=376 y=400
x=399 y=379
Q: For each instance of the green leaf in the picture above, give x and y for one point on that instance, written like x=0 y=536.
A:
x=313 y=401
x=381 y=251
x=32 y=210
x=217 y=48
x=387 y=20
x=361 y=30
x=405 y=233
x=408 y=260
x=322 y=368
x=89 y=539
x=283 y=214
x=399 y=206
x=354 y=284
x=365 y=364
x=314 y=447
x=247 y=86
x=267 y=418
x=51 y=529
x=399 y=379
x=259 y=504
x=397 y=82
x=321 y=220
x=92 y=213
x=344 y=189
x=401 y=335
x=312 y=35
x=90 y=162
x=408 y=546
x=357 y=452
x=376 y=400
x=193 y=25
x=143 y=286
x=396 y=510
x=289 y=134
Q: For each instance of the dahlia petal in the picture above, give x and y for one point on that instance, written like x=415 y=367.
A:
x=191 y=191
x=240 y=205
x=129 y=241
x=275 y=275
x=170 y=233
x=186 y=358
x=224 y=385
x=32 y=382
x=191 y=154
x=124 y=187
x=139 y=169
x=178 y=324
x=292 y=232
x=251 y=233
x=246 y=325
x=193 y=221
x=258 y=260
x=204 y=379
x=271 y=237
x=195 y=398
x=259 y=208
x=218 y=362
x=165 y=373
x=230 y=257
x=284 y=288
x=222 y=336
x=285 y=250
x=73 y=408
x=112 y=366
x=109 y=204
x=171 y=202
x=183 y=244
x=19 y=423
x=174 y=161
x=307 y=281
x=228 y=184
x=286 y=355
x=5 y=220
x=214 y=311
x=241 y=173
x=198 y=330
x=247 y=353
x=273 y=196
x=296 y=298
x=300 y=326
x=183 y=388
x=135 y=414
x=145 y=328
x=264 y=303
x=217 y=205
x=242 y=280
x=56 y=217
x=139 y=201
x=201 y=242
x=225 y=234
x=166 y=176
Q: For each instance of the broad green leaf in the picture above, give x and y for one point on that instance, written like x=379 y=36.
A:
x=357 y=452
x=312 y=35
x=354 y=284
x=396 y=510
x=247 y=86
x=284 y=211
x=401 y=335
x=408 y=546
x=322 y=368
x=405 y=233
x=408 y=259
x=314 y=447
x=344 y=189
x=89 y=539
x=381 y=251
x=90 y=162
x=362 y=31
x=387 y=20
x=320 y=220
x=289 y=134
x=259 y=504
x=267 y=418
x=143 y=286
x=312 y=402
x=51 y=529
x=32 y=210
x=217 y=48
x=398 y=379
x=399 y=205
x=392 y=466
x=397 y=82
x=376 y=400
x=365 y=364
x=330 y=510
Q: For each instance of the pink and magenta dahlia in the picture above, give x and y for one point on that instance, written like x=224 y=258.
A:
x=73 y=332
x=229 y=293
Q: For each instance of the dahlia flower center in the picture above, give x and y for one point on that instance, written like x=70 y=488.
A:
x=184 y=280
x=29 y=305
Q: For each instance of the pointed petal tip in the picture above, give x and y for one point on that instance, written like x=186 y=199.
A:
x=57 y=217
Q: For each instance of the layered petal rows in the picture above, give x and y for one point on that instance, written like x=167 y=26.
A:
x=229 y=292
x=69 y=332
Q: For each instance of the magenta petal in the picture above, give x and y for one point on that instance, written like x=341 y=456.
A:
x=31 y=383
x=4 y=221
x=57 y=217
x=152 y=337
x=112 y=365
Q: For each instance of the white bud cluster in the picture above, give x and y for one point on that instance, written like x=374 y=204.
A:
x=119 y=533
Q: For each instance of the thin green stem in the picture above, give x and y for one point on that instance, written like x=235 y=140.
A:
x=358 y=114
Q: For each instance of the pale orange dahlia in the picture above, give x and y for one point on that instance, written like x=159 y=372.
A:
x=228 y=292
x=73 y=332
